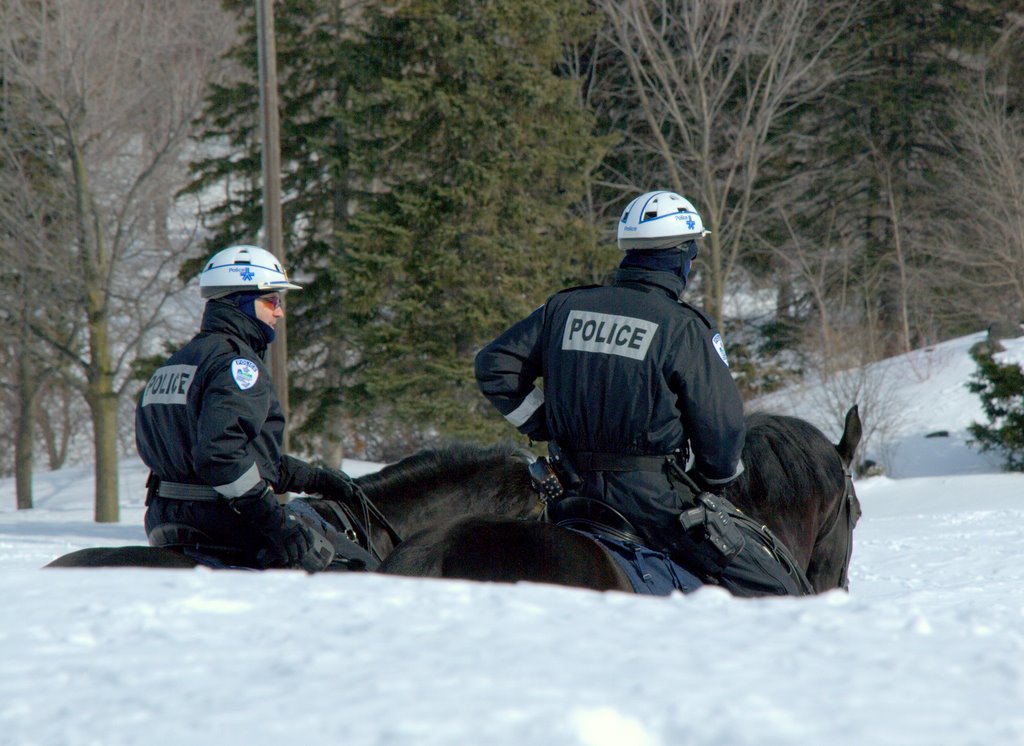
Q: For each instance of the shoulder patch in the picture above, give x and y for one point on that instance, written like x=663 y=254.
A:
x=720 y=348
x=245 y=372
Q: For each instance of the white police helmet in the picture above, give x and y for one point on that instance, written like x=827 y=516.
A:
x=659 y=220
x=240 y=268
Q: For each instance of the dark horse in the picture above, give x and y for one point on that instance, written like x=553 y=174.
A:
x=463 y=507
x=796 y=483
x=427 y=488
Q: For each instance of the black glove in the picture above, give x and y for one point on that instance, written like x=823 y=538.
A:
x=298 y=476
x=333 y=483
x=290 y=542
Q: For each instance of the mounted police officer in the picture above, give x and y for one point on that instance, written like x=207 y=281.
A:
x=209 y=426
x=634 y=382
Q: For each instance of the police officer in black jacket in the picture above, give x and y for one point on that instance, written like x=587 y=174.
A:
x=209 y=426
x=635 y=381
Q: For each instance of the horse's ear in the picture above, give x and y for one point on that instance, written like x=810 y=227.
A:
x=852 y=432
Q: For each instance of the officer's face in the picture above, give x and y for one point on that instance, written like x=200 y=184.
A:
x=269 y=309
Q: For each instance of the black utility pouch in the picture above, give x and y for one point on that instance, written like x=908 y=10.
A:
x=545 y=481
x=563 y=467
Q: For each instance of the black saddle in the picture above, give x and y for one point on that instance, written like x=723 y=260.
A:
x=592 y=516
x=198 y=545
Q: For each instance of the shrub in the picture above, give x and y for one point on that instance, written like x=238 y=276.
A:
x=1001 y=388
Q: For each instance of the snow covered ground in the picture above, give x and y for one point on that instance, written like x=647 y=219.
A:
x=927 y=648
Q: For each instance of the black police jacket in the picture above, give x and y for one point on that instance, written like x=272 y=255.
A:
x=627 y=369
x=210 y=414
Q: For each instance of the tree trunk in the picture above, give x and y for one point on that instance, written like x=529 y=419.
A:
x=56 y=437
x=99 y=387
x=103 y=406
x=28 y=397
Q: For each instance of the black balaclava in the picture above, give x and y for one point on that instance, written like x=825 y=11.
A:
x=676 y=260
x=246 y=303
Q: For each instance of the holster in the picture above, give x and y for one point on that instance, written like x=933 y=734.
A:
x=711 y=535
x=717 y=537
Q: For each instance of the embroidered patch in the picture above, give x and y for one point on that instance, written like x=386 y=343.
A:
x=720 y=348
x=245 y=372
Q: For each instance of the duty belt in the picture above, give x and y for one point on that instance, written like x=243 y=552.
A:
x=186 y=491
x=589 y=461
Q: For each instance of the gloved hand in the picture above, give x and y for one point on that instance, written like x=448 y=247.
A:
x=290 y=542
x=333 y=483
x=300 y=476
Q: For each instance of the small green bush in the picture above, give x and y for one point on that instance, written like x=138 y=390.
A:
x=1001 y=388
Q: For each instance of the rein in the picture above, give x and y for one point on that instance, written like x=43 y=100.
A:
x=843 y=506
x=363 y=525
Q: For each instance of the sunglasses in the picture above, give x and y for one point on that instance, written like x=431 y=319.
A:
x=274 y=301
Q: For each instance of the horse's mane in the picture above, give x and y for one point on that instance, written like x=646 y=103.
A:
x=784 y=457
x=495 y=473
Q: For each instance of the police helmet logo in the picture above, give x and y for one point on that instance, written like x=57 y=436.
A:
x=720 y=348
x=247 y=274
x=245 y=373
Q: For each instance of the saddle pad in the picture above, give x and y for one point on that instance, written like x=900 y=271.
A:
x=651 y=573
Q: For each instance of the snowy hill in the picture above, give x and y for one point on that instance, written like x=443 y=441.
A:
x=927 y=648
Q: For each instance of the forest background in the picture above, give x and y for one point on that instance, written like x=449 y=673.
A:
x=448 y=164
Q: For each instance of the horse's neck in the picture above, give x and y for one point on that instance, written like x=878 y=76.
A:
x=416 y=503
x=793 y=528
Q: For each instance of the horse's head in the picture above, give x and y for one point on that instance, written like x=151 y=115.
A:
x=833 y=547
x=797 y=483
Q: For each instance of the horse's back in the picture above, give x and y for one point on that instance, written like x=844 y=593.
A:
x=131 y=556
x=507 y=550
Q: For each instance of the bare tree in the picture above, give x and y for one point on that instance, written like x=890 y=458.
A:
x=108 y=90
x=710 y=82
x=983 y=250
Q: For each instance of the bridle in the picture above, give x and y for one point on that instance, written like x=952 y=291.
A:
x=844 y=507
x=359 y=528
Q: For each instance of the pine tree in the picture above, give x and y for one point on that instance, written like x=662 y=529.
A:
x=319 y=59
x=432 y=158
x=1001 y=388
x=481 y=151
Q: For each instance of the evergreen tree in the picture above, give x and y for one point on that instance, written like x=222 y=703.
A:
x=1001 y=388
x=433 y=157
x=319 y=59
x=481 y=150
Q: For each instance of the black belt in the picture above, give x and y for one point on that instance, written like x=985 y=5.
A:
x=588 y=461
x=186 y=491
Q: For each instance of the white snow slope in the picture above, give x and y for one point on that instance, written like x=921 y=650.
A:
x=927 y=648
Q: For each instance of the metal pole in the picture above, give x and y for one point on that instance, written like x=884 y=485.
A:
x=272 y=230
